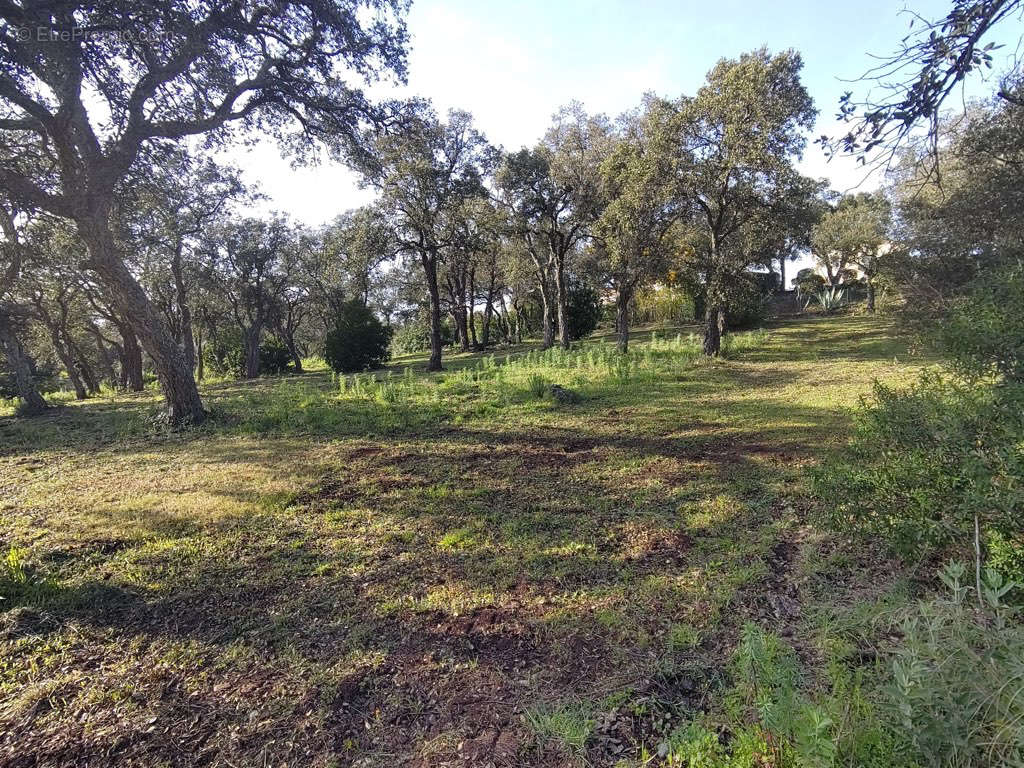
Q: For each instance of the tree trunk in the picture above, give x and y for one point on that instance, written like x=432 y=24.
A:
x=21 y=369
x=561 y=302
x=92 y=384
x=471 y=309
x=251 y=337
x=106 y=359
x=471 y=322
x=622 y=318
x=429 y=261
x=289 y=341
x=871 y=296
x=176 y=379
x=486 y=331
x=131 y=360
x=200 y=366
x=713 y=321
x=547 y=320
x=188 y=347
x=782 y=273
x=69 y=364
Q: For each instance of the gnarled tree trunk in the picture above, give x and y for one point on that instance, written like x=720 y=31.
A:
x=176 y=379
x=21 y=368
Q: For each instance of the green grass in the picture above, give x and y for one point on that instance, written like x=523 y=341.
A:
x=401 y=566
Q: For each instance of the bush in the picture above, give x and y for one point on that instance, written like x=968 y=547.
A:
x=807 y=282
x=746 y=307
x=661 y=305
x=583 y=309
x=358 y=341
x=274 y=356
x=984 y=333
x=958 y=677
x=414 y=335
x=224 y=355
x=45 y=377
x=925 y=461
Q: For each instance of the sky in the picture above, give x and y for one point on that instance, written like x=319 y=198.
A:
x=512 y=64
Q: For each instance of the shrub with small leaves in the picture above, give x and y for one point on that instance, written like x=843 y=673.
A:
x=358 y=341
x=957 y=688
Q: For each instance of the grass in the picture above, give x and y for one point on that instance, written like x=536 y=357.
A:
x=412 y=569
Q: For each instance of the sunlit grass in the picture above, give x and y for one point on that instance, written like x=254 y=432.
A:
x=341 y=558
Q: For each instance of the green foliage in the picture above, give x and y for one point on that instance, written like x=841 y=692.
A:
x=984 y=332
x=830 y=300
x=957 y=689
x=536 y=385
x=663 y=305
x=583 y=308
x=925 y=461
x=414 y=335
x=274 y=356
x=746 y=305
x=45 y=378
x=569 y=726
x=358 y=341
x=224 y=355
x=808 y=282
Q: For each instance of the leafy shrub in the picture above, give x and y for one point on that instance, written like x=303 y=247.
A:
x=984 y=333
x=807 y=282
x=224 y=355
x=747 y=306
x=274 y=356
x=358 y=341
x=925 y=461
x=45 y=377
x=661 y=305
x=414 y=335
x=958 y=677
x=583 y=309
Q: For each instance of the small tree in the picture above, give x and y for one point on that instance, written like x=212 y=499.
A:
x=358 y=341
x=583 y=309
x=856 y=232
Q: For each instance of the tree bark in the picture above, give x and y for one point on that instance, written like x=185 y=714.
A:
x=547 y=320
x=622 y=318
x=21 y=369
x=871 y=296
x=429 y=261
x=106 y=359
x=92 y=384
x=251 y=337
x=293 y=350
x=713 y=321
x=561 y=302
x=485 y=338
x=188 y=347
x=200 y=366
x=68 y=362
x=131 y=359
x=176 y=379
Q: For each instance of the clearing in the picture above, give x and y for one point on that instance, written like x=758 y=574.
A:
x=426 y=570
